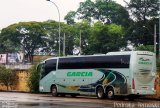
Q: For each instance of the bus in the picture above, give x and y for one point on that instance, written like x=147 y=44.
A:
x=129 y=73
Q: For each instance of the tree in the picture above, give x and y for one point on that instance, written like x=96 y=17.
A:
x=106 y=38
x=8 y=47
x=82 y=31
x=106 y=11
x=8 y=77
x=33 y=81
x=110 y=12
x=158 y=65
x=142 y=10
x=6 y=44
x=145 y=48
x=86 y=10
x=28 y=35
x=52 y=35
x=142 y=34
x=70 y=17
x=70 y=36
x=145 y=15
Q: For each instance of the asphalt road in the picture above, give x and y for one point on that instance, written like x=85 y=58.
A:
x=27 y=100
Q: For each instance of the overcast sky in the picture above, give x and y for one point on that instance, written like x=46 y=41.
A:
x=14 y=11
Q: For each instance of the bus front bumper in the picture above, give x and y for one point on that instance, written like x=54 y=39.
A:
x=143 y=92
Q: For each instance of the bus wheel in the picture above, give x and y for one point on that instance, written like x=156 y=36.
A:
x=100 y=93
x=54 y=91
x=110 y=93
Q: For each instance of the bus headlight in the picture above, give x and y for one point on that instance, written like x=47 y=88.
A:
x=41 y=88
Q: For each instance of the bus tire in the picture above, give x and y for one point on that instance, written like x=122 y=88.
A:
x=54 y=91
x=100 y=93
x=110 y=93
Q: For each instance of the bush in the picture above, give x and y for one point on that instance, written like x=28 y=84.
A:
x=8 y=77
x=145 y=48
x=33 y=81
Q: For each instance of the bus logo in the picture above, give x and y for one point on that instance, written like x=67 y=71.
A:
x=144 y=61
x=82 y=74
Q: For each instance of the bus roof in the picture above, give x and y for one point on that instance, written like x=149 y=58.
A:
x=130 y=52
x=108 y=54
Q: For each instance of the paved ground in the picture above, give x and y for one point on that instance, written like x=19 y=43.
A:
x=27 y=100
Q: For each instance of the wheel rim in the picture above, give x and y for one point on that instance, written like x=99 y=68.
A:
x=110 y=93
x=100 y=92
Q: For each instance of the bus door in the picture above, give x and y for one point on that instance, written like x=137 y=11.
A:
x=144 y=74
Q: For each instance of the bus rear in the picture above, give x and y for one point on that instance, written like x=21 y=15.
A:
x=143 y=73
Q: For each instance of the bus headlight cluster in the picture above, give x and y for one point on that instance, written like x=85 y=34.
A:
x=41 y=88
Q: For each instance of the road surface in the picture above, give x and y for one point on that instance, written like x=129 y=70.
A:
x=27 y=100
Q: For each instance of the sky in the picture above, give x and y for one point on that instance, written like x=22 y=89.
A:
x=14 y=11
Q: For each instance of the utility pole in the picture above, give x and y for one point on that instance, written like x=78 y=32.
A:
x=155 y=38
x=80 y=43
x=59 y=31
x=64 y=45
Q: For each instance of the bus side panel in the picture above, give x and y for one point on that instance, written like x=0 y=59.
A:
x=77 y=80
x=122 y=82
x=70 y=81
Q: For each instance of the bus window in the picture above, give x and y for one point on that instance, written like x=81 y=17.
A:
x=119 y=61
x=48 y=66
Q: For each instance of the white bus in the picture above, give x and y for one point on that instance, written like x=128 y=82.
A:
x=113 y=74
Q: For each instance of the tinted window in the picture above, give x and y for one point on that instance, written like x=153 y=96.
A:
x=48 y=66
x=116 y=61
